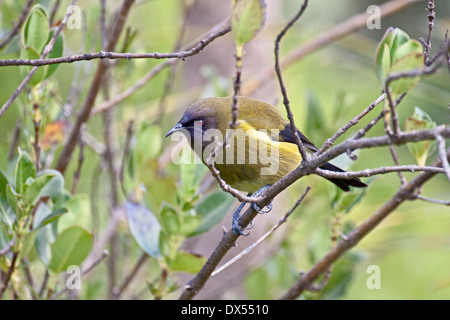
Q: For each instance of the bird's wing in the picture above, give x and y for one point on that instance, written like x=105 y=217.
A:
x=287 y=135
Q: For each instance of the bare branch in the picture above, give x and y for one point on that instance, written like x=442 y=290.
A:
x=427 y=44
x=376 y=171
x=442 y=155
x=329 y=142
x=421 y=197
x=212 y=34
x=299 y=142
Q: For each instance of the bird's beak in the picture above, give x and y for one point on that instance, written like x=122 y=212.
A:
x=175 y=128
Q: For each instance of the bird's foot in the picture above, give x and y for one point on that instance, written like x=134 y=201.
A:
x=236 y=215
x=256 y=207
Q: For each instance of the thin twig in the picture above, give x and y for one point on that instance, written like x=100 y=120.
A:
x=8 y=247
x=442 y=155
x=421 y=197
x=329 y=142
x=377 y=171
x=36 y=125
x=108 y=55
x=217 y=31
x=427 y=44
x=299 y=142
x=77 y=174
x=142 y=259
x=53 y=13
x=4 y=285
x=15 y=139
x=394 y=155
x=374 y=121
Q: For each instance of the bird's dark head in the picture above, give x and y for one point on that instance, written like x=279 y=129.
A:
x=203 y=115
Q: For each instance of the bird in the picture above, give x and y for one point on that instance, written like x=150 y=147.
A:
x=241 y=161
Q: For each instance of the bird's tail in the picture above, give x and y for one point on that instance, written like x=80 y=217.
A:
x=344 y=184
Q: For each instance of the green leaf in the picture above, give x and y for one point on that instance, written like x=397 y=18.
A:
x=57 y=51
x=149 y=142
x=48 y=183
x=12 y=196
x=70 y=248
x=35 y=29
x=3 y=183
x=32 y=54
x=42 y=245
x=399 y=38
x=212 y=210
x=27 y=244
x=79 y=213
x=144 y=227
x=247 y=19
x=187 y=262
x=420 y=120
x=409 y=58
x=396 y=54
x=45 y=215
x=170 y=221
x=24 y=170
x=383 y=64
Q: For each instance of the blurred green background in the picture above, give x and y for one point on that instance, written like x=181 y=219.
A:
x=326 y=89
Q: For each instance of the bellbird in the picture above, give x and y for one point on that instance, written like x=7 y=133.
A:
x=259 y=151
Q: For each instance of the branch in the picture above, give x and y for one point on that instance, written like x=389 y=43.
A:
x=104 y=55
x=442 y=156
x=212 y=35
x=299 y=142
x=353 y=237
x=329 y=142
x=427 y=44
x=377 y=171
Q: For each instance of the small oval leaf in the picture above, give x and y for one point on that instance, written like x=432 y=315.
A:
x=24 y=169
x=144 y=227
x=247 y=19
x=212 y=210
x=70 y=248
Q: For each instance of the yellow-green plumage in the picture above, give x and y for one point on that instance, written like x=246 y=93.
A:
x=254 y=117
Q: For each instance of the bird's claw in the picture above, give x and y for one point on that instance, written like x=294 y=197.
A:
x=262 y=211
x=237 y=229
